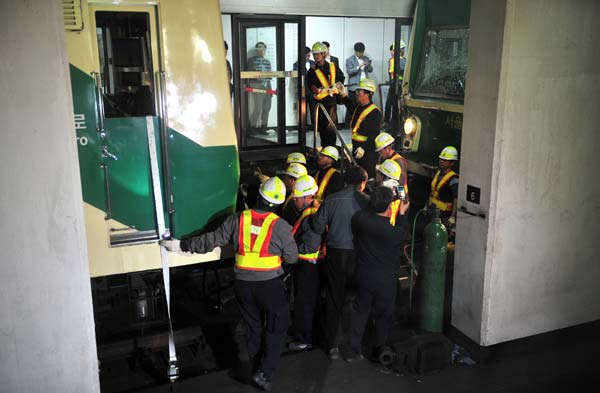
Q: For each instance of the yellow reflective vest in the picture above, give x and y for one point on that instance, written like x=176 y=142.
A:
x=255 y=232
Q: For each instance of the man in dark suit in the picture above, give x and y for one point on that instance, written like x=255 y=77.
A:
x=328 y=57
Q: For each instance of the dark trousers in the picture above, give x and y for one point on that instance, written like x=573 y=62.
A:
x=306 y=295
x=352 y=98
x=264 y=310
x=391 y=107
x=375 y=297
x=326 y=130
x=339 y=278
x=368 y=162
x=260 y=113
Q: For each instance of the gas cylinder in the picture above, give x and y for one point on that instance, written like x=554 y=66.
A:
x=433 y=275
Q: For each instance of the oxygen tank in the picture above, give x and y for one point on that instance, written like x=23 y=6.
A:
x=433 y=275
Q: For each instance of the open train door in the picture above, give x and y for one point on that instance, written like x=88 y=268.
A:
x=126 y=58
x=269 y=69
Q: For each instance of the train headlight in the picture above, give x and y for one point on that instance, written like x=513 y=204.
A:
x=412 y=133
x=412 y=125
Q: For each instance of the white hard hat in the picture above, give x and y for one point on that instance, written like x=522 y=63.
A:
x=273 y=190
x=383 y=140
x=331 y=151
x=296 y=157
x=449 y=153
x=295 y=170
x=390 y=168
x=304 y=186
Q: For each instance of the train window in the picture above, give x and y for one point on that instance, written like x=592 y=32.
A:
x=443 y=65
x=124 y=50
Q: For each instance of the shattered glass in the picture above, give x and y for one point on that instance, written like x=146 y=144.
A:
x=443 y=66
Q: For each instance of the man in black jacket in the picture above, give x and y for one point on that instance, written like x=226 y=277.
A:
x=335 y=215
x=378 y=246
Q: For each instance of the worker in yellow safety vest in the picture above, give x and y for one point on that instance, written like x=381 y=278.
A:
x=384 y=145
x=388 y=175
x=292 y=172
x=306 y=272
x=262 y=242
x=444 y=187
x=365 y=124
x=391 y=111
x=323 y=79
x=329 y=179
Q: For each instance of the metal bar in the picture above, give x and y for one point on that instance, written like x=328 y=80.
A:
x=337 y=132
x=164 y=139
x=99 y=103
x=108 y=215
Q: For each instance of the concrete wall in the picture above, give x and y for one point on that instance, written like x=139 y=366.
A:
x=531 y=267
x=47 y=341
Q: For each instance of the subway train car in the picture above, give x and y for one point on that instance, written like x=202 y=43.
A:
x=149 y=72
x=157 y=148
x=434 y=81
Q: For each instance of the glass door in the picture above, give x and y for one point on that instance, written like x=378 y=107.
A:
x=269 y=82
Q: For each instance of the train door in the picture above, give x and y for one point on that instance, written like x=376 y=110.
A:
x=269 y=68
x=126 y=58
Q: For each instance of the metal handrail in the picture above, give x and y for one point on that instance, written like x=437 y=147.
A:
x=347 y=152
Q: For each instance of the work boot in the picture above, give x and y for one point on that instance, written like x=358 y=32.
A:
x=299 y=346
x=349 y=354
x=262 y=381
x=334 y=353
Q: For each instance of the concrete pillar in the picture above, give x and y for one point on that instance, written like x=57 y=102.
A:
x=530 y=142
x=47 y=340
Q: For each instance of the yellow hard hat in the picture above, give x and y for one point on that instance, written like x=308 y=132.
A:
x=390 y=168
x=273 y=191
x=295 y=170
x=383 y=140
x=319 y=47
x=367 y=84
x=449 y=153
x=304 y=186
x=332 y=152
x=402 y=44
x=296 y=157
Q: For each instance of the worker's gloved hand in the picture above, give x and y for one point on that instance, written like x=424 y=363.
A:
x=359 y=153
x=341 y=89
x=171 y=245
x=452 y=223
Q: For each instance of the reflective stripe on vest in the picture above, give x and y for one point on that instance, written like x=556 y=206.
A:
x=435 y=191
x=395 y=208
x=256 y=256
x=401 y=160
x=391 y=67
x=332 y=75
x=320 y=253
x=355 y=135
x=324 y=183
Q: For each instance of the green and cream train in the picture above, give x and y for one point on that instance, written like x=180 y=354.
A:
x=154 y=124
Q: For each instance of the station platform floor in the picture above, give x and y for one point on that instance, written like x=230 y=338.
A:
x=563 y=361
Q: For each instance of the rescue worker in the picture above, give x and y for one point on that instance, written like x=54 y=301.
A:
x=365 y=124
x=444 y=187
x=296 y=157
x=388 y=175
x=335 y=215
x=262 y=242
x=329 y=179
x=322 y=80
x=378 y=246
x=289 y=176
x=384 y=145
x=306 y=272
x=391 y=103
